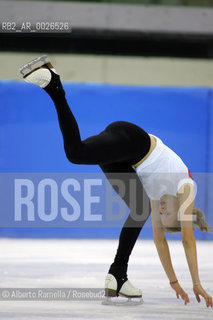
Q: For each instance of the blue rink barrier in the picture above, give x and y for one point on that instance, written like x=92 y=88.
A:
x=30 y=138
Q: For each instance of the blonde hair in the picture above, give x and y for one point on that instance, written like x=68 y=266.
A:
x=199 y=222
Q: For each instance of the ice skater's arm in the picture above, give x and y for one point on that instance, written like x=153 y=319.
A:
x=186 y=200
x=186 y=203
x=163 y=252
x=161 y=243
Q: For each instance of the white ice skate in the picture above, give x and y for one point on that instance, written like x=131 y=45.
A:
x=128 y=294
x=38 y=71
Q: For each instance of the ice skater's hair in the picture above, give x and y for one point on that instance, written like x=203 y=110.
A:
x=199 y=222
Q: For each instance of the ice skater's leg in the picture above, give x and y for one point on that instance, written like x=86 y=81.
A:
x=138 y=202
x=119 y=142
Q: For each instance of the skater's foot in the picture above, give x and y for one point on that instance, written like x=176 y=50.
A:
x=126 y=290
x=42 y=73
x=120 y=274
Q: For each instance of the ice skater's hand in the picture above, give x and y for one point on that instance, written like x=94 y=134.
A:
x=180 y=292
x=199 y=291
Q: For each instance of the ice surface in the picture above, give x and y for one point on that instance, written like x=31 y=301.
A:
x=84 y=264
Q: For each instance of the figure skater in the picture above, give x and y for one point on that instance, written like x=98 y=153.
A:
x=125 y=151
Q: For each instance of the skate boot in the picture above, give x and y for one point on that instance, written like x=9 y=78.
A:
x=42 y=73
x=132 y=295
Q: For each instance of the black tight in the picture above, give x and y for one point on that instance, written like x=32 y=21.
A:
x=139 y=206
x=115 y=150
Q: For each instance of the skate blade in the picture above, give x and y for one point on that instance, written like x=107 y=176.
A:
x=32 y=65
x=118 y=301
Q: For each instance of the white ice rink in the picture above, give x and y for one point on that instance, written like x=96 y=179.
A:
x=84 y=264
